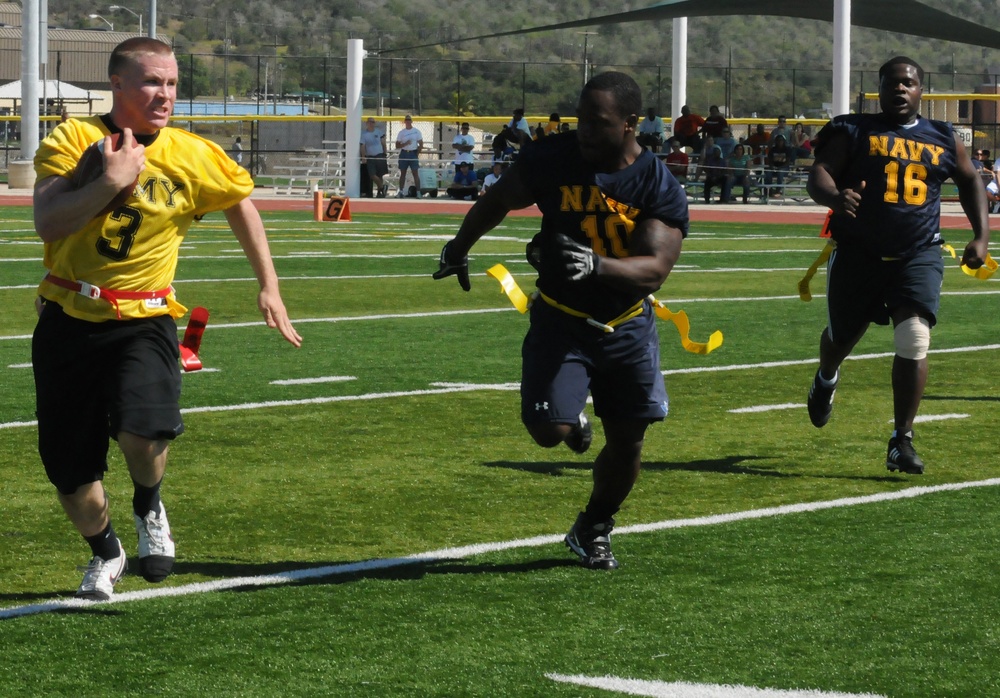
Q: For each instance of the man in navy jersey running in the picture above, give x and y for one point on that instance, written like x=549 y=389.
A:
x=881 y=174
x=613 y=219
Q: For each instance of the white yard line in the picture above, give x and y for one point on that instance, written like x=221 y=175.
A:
x=467 y=551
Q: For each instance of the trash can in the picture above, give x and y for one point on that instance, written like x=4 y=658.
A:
x=428 y=181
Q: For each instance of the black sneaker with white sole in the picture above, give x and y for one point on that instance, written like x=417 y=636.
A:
x=580 y=435
x=820 y=402
x=592 y=542
x=902 y=456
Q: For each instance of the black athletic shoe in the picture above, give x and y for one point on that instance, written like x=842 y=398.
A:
x=820 y=401
x=902 y=456
x=592 y=544
x=580 y=435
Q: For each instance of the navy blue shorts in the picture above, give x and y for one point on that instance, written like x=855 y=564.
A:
x=861 y=288
x=96 y=379
x=409 y=159
x=563 y=358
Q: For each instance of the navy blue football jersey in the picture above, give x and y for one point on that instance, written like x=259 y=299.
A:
x=903 y=168
x=597 y=209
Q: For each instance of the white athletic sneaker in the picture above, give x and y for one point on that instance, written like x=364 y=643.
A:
x=100 y=576
x=156 y=545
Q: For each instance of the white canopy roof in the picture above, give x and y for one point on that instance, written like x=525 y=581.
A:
x=49 y=89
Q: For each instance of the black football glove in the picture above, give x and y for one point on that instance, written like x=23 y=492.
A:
x=577 y=262
x=449 y=265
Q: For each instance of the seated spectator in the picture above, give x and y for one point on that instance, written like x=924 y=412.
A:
x=781 y=130
x=564 y=127
x=739 y=171
x=687 y=128
x=988 y=160
x=503 y=149
x=715 y=123
x=466 y=184
x=801 y=141
x=463 y=144
x=651 y=131
x=716 y=171
x=539 y=133
x=494 y=176
x=757 y=142
x=553 y=125
x=677 y=161
x=726 y=141
x=977 y=160
x=776 y=164
x=519 y=131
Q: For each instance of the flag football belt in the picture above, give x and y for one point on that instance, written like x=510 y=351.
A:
x=111 y=296
x=522 y=302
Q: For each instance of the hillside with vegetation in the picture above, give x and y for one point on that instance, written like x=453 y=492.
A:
x=749 y=63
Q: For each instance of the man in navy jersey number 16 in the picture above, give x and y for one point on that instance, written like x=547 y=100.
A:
x=881 y=174
x=613 y=218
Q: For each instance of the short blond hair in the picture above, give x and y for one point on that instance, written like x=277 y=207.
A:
x=128 y=51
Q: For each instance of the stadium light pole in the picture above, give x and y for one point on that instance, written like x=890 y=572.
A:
x=103 y=20
x=118 y=8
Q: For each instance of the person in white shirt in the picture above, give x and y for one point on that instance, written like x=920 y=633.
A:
x=464 y=144
x=519 y=126
x=409 y=141
x=494 y=176
x=651 y=131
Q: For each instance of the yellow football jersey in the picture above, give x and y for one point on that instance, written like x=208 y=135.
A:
x=135 y=247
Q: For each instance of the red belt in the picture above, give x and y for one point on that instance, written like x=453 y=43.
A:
x=112 y=297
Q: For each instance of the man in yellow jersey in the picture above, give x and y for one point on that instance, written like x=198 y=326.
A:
x=105 y=352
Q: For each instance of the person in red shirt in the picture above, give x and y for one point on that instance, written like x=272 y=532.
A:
x=687 y=127
x=757 y=141
x=677 y=161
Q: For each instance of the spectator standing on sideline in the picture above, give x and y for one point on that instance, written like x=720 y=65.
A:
x=881 y=174
x=776 y=165
x=651 y=131
x=716 y=171
x=238 y=150
x=106 y=363
x=373 y=157
x=464 y=144
x=409 y=141
x=687 y=127
x=583 y=181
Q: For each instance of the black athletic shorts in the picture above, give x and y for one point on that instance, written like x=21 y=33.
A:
x=377 y=165
x=563 y=357
x=861 y=288
x=95 y=379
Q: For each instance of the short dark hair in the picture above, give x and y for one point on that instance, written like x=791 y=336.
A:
x=628 y=96
x=129 y=50
x=900 y=60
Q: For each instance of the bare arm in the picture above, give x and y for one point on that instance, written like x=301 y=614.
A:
x=972 y=195
x=60 y=210
x=654 y=248
x=249 y=230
